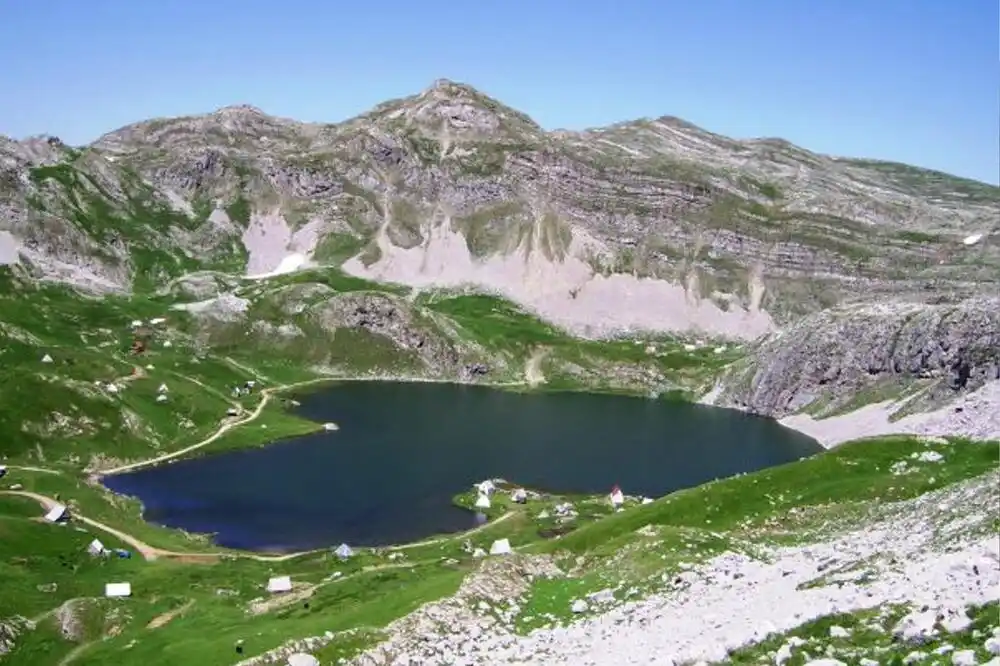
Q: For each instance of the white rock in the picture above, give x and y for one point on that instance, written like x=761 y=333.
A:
x=579 y=606
x=992 y=645
x=964 y=658
x=839 y=632
x=930 y=456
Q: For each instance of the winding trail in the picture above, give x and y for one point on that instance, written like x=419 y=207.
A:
x=265 y=398
x=150 y=553
x=449 y=537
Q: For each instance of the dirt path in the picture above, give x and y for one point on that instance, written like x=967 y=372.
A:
x=305 y=591
x=74 y=653
x=223 y=429
x=148 y=552
x=210 y=389
x=164 y=618
x=441 y=539
x=533 y=368
x=40 y=470
x=247 y=369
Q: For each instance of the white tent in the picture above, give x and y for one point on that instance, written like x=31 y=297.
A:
x=56 y=513
x=617 y=498
x=279 y=584
x=46 y=359
x=482 y=502
x=344 y=551
x=3 y=470
x=118 y=590
x=161 y=398
x=520 y=496
x=486 y=487
x=500 y=547
x=96 y=548
x=302 y=659
x=163 y=388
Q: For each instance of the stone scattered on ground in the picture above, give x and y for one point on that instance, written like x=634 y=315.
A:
x=733 y=600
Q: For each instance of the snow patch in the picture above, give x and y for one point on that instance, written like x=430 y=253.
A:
x=274 y=248
x=973 y=239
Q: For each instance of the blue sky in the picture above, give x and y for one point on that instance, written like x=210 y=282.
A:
x=909 y=80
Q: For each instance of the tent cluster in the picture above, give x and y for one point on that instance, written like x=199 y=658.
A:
x=60 y=514
x=246 y=389
x=278 y=584
x=485 y=490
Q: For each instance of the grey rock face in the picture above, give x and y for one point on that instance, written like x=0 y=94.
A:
x=845 y=351
x=383 y=315
x=758 y=224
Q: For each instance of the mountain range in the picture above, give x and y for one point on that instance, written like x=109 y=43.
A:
x=645 y=225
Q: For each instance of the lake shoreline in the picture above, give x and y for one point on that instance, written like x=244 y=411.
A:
x=320 y=384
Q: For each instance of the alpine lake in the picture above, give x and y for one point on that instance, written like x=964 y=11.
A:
x=403 y=451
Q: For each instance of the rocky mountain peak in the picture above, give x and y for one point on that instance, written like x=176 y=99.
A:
x=239 y=110
x=460 y=111
x=35 y=150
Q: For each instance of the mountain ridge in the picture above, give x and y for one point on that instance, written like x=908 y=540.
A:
x=652 y=225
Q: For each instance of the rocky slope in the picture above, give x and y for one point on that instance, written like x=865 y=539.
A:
x=867 y=348
x=651 y=224
x=861 y=370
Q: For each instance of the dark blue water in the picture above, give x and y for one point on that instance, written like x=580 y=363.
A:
x=404 y=450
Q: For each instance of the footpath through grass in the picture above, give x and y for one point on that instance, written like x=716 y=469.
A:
x=353 y=600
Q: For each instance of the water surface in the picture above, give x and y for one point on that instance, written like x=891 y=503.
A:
x=404 y=450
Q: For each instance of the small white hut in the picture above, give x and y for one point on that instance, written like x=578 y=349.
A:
x=56 y=513
x=46 y=359
x=113 y=590
x=279 y=584
x=96 y=548
x=520 y=496
x=486 y=487
x=483 y=502
x=500 y=547
x=344 y=551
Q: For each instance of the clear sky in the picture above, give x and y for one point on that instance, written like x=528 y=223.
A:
x=909 y=80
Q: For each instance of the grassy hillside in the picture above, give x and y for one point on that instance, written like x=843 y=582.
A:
x=186 y=610
x=60 y=354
